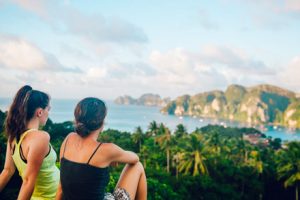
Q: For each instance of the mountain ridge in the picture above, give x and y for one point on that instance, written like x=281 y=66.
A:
x=147 y=99
x=260 y=104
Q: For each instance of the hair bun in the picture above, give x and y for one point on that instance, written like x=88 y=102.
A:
x=81 y=129
x=89 y=115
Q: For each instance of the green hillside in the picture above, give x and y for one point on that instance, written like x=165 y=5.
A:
x=262 y=104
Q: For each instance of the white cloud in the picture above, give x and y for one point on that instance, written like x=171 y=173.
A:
x=272 y=15
x=236 y=59
x=178 y=61
x=126 y=70
x=174 y=66
x=39 y=7
x=96 y=72
x=98 y=28
x=32 y=5
x=20 y=54
x=91 y=27
x=292 y=5
x=214 y=64
x=99 y=36
x=182 y=71
x=170 y=73
x=278 y=6
x=17 y=53
x=289 y=75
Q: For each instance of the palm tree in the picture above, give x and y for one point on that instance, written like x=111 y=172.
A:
x=254 y=161
x=288 y=166
x=245 y=157
x=215 y=141
x=180 y=131
x=177 y=159
x=138 y=137
x=144 y=153
x=153 y=129
x=240 y=150
x=193 y=158
x=164 y=141
x=161 y=129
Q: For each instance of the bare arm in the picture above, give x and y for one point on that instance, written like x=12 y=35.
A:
x=38 y=148
x=9 y=168
x=59 y=189
x=122 y=156
x=58 y=192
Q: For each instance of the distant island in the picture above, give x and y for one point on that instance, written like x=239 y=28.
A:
x=262 y=104
x=145 y=99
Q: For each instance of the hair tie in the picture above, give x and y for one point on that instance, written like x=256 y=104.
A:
x=28 y=93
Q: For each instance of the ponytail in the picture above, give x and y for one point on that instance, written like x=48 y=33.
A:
x=15 y=120
x=22 y=110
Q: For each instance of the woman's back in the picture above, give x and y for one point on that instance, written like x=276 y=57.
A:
x=80 y=179
x=31 y=153
x=84 y=161
x=48 y=175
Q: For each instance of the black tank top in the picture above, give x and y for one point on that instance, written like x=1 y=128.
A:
x=82 y=180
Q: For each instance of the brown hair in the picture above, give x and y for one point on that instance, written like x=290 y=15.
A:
x=22 y=110
x=89 y=115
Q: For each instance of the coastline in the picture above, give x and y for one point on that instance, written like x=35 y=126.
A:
x=128 y=117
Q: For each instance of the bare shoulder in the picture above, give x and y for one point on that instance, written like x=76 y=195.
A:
x=111 y=148
x=37 y=141
x=117 y=154
x=39 y=135
x=70 y=135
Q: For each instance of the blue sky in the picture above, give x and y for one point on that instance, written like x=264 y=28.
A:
x=73 y=49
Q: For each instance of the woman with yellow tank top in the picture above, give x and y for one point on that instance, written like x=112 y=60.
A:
x=29 y=149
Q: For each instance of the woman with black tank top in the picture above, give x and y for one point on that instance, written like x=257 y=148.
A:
x=85 y=161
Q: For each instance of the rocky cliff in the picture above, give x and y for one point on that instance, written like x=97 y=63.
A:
x=145 y=99
x=261 y=104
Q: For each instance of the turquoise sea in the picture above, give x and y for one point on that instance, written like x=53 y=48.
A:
x=128 y=117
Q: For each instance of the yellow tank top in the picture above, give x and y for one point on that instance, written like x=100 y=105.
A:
x=48 y=176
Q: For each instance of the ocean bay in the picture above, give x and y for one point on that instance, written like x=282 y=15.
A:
x=128 y=117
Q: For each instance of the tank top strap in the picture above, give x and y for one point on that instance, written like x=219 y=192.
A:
x=23 y=136
x=65 y=146
x=94 y=152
